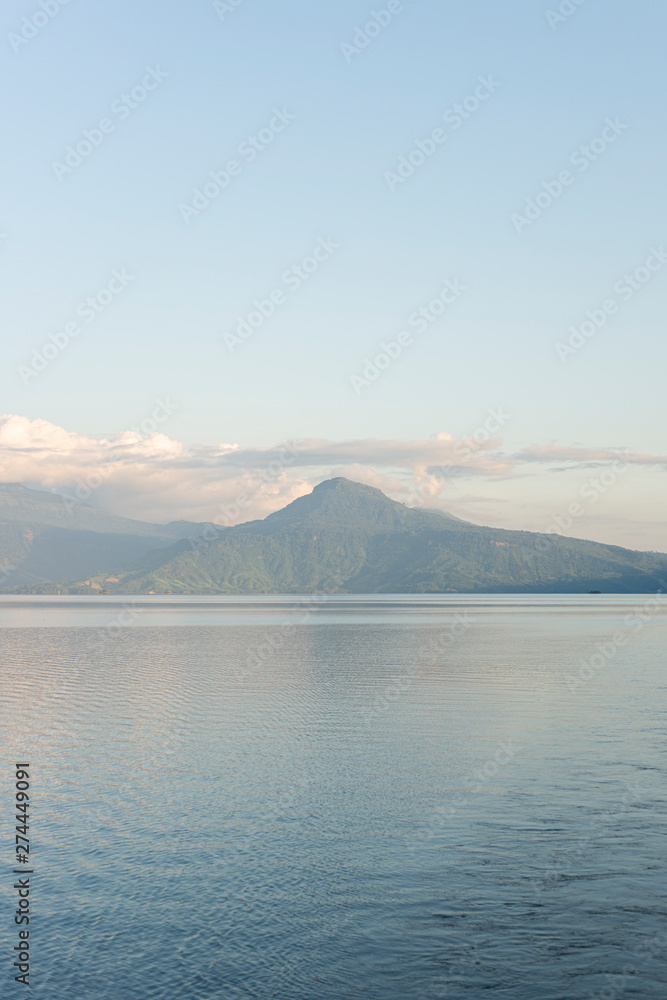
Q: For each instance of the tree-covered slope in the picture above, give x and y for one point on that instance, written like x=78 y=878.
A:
x=348 y=538
x=46 y=537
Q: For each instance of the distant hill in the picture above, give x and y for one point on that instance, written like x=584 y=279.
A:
x=348 y=538
x=46 y=537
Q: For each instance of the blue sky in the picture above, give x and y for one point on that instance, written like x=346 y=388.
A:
x=221 y=76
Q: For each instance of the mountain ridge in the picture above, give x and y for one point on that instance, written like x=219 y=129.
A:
x=346 y=537
x=46 y=536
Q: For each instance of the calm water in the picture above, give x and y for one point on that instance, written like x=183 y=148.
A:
x=352 y=798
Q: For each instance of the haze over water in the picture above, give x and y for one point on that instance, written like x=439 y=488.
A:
x=351 y=798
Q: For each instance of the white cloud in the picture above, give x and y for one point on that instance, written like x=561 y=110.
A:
x=577 y=455
x=155 y=478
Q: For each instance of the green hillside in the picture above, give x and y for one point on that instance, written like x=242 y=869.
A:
x=46 y=537
x=348 y=538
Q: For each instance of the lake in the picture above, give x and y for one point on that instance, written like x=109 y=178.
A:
x=383 y=798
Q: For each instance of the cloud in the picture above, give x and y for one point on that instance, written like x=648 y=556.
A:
x=157 y=478
x=585 y=457
x=426 y=455
x=153 y=477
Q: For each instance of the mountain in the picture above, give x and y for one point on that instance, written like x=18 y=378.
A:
x=46 y=537
x=348 y=538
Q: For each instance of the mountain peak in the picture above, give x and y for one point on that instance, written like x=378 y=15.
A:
x=346 y=503
x=337 y=502
x=344 y=536
x=329 y=483
x=348 y=485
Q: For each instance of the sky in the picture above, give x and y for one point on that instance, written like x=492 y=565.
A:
x=215 y=218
